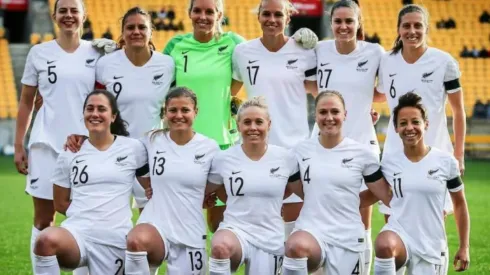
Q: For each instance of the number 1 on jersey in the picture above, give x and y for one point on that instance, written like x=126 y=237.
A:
x=398 y=193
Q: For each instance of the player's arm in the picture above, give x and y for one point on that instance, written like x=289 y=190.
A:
x=378 y=97
x=24 y=116
x=311 y=87
x=61 y=198
x=377 y=184
x=462 y=217
x=459 y=125
x=235 y=87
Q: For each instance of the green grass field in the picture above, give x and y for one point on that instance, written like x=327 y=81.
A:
x=16 y=220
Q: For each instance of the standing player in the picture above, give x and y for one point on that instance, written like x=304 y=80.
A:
x=139 y=77
x=253 y=173
x=420 y=177
x=434 y=75
x=92 y=188
x=350 y=65
x=172 y=226
x=329 y=232
x=275 y=67
x=62 y=71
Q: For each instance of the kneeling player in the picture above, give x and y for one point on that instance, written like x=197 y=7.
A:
x=92 y=188
x=420 y=177
x=329 y=232
x=254 y=174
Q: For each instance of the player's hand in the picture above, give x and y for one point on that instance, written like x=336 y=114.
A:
x=460 y=160
x=306 y=38
x=463 y=257
x=149 y=192
x=74 y=143
x=235 y=105
x=20 y=160
x=105 y=45
x=38 y=102
x=209 y=201
x=374 y=116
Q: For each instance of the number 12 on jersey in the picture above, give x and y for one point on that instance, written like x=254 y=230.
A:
x=239 y=183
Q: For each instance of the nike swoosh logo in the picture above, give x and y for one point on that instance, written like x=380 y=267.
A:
x=396 y=174
x=324 y=64
x=79 y=161
x=234 y=173
x=251 y=62
x=392 y=75
x=118 y=77
x=305 y=159
x=49 y=62
x=34 y=180
x=184 y=52
x=160 y=152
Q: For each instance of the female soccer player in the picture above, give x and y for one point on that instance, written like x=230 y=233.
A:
x=420 y=176
x=275 y=67
x=253 y=173
x=63 y=72
x=92 y=188
x=433 y=74
x=329 y=232
x=172 y=226
x=350 y=65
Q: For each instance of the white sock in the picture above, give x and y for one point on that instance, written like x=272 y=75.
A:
x=368 y=253
x=219 y=266
x=81 y=271
x=292 y=266
x=34 y=233
x=401 y=271
x=288 y=229
x=384 y=266
x=46 y=265
x=136 y=263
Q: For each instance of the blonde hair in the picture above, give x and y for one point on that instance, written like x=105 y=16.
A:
x=82 y=2
x=256 y=101
x=288 y=6
x=220 y=7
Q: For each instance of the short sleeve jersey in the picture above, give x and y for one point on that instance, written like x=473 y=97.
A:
x=101 y=185
x=331 y=182
x=64 y=80
x=354 y=76
x=279 y=77
x=250 y=184
x=206 y=69
x=140 y=91
x=432 y=77
x=178 y=176
x=419 y=192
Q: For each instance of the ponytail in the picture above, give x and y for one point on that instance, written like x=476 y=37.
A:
x=397 y=45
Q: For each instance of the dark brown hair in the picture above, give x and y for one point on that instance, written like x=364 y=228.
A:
x=354 y=5
x=409 y=99
x=119 y=126
x=134 y=11
x=398 y=44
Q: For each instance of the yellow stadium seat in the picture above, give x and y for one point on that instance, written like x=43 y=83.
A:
x=35 y=38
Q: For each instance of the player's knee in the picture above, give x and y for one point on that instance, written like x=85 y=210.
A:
x=46 y=244
x=136 y=242
x=296 y=248
x=385 y=246
x=221 y=250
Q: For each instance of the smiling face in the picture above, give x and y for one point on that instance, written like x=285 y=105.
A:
x=273 y=17
x=254 y=125
x=180 y=113
x=98 y=114
x=413 y=29
x=69 y=16
x=330 y=115
x=205 y=14
x=137 y=31
x=411 y=126
x=345 y=24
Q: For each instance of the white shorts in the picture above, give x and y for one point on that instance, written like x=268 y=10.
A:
x=99 y=258
x=41 y=163
x=256 y=260
x=415 y=264
x=182 y=259
x=140 y=199
x=339 y=261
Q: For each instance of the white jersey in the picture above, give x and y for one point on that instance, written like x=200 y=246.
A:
x=432 y=77
x=255 y=192
x=331 y=182
x=279 y=77
x=178 y=177
x=419 y=192
x=101 y=184
x=64 y=80
x=140 y=91
x=354 y=76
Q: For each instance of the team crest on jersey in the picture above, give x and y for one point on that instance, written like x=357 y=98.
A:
x=291 y=64
x=223 y=50
x=346 y=162
x=433 y=174
x=425 y=77
x=90 y=63
x=156 y=79
x=361 y=66
x=275 y=173
x=120 y=161
x=198 y=159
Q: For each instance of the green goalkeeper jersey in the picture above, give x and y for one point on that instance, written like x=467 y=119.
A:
x=206 y=68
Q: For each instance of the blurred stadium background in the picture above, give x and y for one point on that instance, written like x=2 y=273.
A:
x=24 y=23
